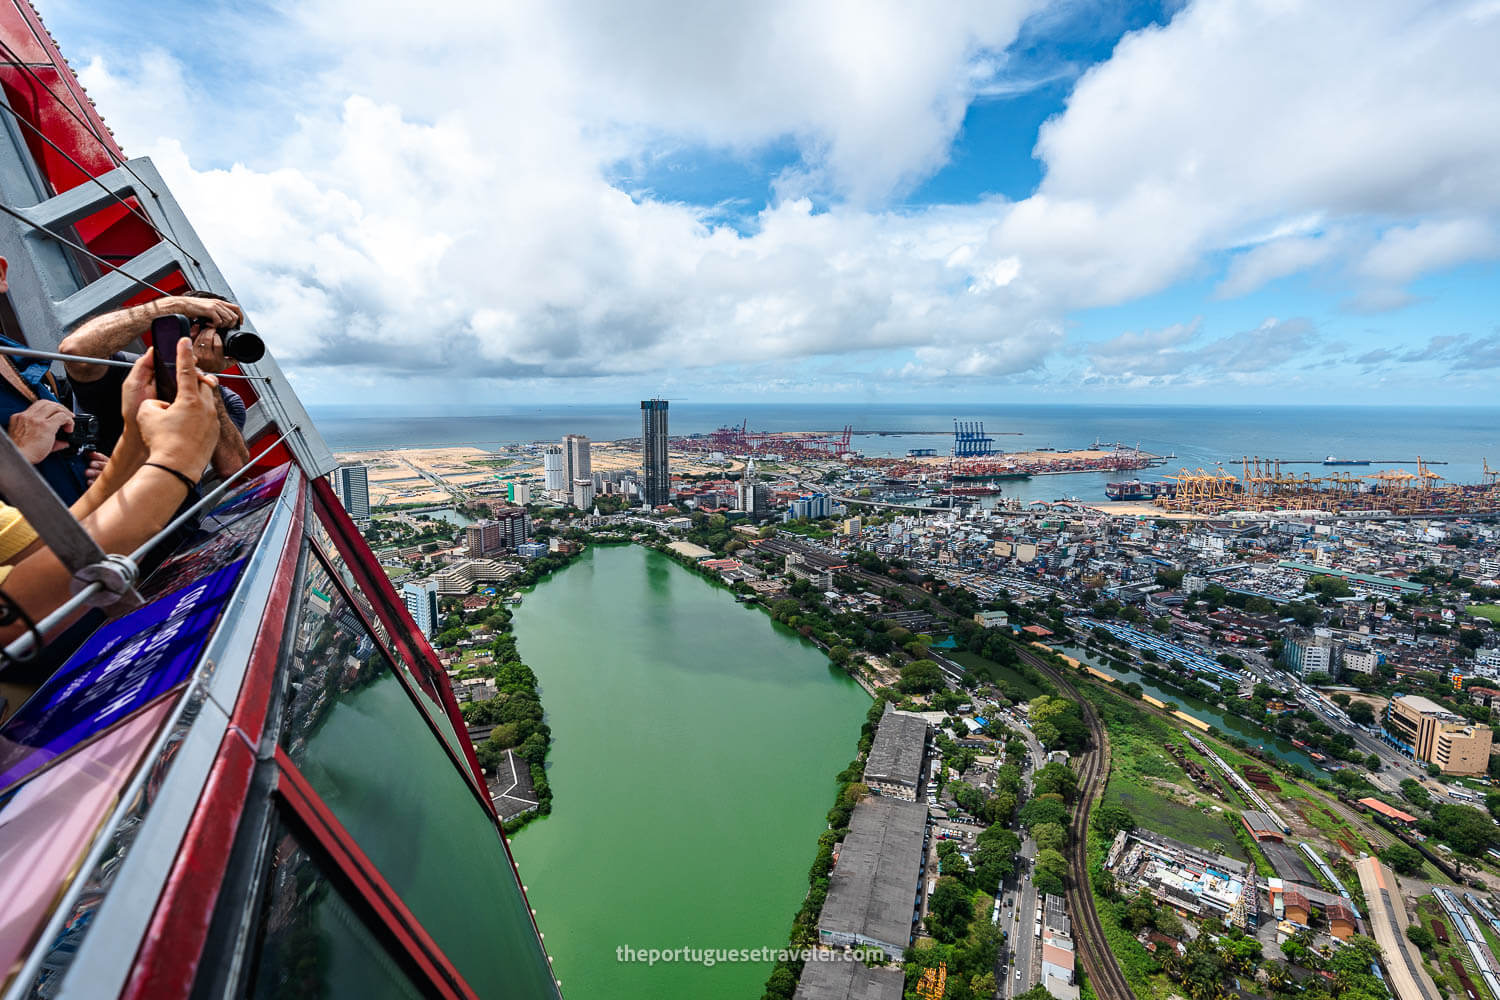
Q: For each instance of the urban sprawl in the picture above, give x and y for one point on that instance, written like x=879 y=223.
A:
x=1113 y=749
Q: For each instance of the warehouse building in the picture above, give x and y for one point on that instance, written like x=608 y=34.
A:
x=876 y=882
x=894 y=767
x=846 y=980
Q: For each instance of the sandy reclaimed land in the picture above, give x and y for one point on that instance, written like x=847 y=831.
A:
x=1134 y=508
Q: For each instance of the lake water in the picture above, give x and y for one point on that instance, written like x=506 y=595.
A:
x=694 y=750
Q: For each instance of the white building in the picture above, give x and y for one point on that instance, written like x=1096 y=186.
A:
x=1362 y=661
x=422 y=601
x=578 y=462
x=583 y=493
x=552 y=469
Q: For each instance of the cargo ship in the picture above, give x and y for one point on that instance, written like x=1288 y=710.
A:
x=1335 y=460
x=1137 y=490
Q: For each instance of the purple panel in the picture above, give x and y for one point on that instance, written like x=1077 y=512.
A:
x=119 y=668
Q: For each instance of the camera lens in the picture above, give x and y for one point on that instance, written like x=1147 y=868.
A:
x=242 y=345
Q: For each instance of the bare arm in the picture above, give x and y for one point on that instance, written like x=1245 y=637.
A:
x=104 y=335
x=180 y=437
x=230 y=454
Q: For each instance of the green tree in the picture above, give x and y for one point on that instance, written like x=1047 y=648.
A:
x=1421 y=937
x=1466 y=829
x=1403 y=860
x=1050 y=872
x=1110 y=820
x=1058 y=778
x=1050 y=836
x=920 y=676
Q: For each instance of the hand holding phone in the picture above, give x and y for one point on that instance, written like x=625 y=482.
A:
x=166 y=331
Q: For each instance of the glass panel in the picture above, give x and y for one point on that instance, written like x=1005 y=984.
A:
x=422 y=682
x=121 y=667
x=314 y=945
x=352 y=731
x=49 y=824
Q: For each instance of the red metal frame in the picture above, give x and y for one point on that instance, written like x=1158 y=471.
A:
x=370 y=889
x=167 y=961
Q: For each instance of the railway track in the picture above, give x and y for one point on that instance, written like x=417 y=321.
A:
x=1099 y=963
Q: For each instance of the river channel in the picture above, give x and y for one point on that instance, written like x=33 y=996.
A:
x=1274 y=746
x=694 y=750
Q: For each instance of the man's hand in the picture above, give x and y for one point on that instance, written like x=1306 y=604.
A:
x=182 y=436
x=139 y=386
x=218 y=313
x=92 y=471
x=34 y=429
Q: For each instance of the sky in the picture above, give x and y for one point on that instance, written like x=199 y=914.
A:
x=582 y=201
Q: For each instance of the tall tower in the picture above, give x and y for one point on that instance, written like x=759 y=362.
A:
x=656 y=480
x=578 y=460
x=552 y=467
x=351 y=484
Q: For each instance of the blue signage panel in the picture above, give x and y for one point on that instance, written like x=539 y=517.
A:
x=117 y=670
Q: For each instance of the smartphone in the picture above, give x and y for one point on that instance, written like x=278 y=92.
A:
x=166 y=331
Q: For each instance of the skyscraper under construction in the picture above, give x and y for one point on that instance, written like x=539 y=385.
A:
x=656 y=481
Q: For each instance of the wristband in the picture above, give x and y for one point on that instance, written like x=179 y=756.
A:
x=190 y=484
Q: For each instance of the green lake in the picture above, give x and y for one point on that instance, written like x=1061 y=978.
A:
x=694 y=747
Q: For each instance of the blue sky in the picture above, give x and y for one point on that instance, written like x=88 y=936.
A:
x=1212 y=201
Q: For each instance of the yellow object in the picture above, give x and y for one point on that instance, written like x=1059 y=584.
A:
x=15 y=534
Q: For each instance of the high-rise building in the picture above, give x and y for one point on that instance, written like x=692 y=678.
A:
x=506 y=528
x=351 y=484
x=745 y=498
x=552 y=467
x=518 y=493
x=656 y=478
x=583 y=493
x=578 y=462
x=422 y=601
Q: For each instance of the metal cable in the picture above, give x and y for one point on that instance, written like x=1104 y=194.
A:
x=25 y=67
x=13 y=213
x=24 y=647
x=27 y=352
x=21 y=120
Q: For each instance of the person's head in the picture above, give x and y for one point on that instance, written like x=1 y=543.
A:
x=208 y=340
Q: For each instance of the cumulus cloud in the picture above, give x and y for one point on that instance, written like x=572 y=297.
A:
x=1180 y=352
x=442 y=199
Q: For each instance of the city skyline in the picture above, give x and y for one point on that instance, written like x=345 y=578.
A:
x=1173 y=202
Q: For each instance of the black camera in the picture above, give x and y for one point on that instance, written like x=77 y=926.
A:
x=85 y=433
x=244 y=346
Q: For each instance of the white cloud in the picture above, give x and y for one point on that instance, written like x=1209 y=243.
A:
x=441 y=200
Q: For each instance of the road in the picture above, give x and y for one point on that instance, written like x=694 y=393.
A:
x=1018 y=919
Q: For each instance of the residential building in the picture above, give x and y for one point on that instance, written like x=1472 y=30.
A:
x=656 y=478
x=507 y=529
x=583 y=493
x=1305 y=653
x=1431 y=733
x=578 y=462
x=1059 y=960
x=422 y=601
x=351 y=484
x=461 y=577
x=894 y=766
x=751 y=496
x=1488 y=658
x=518 y=493
x=1361 y=660
x=876 y=882
x=555 y=475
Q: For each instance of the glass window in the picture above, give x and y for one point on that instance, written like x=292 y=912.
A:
x=423 y=682
x=313 y=944
x=352 y=731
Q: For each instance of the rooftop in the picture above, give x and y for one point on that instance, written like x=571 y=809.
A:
x=896 y=754
x=848 y=980
x=872 y=891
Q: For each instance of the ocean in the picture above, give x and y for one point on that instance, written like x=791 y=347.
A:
x=1200 y=436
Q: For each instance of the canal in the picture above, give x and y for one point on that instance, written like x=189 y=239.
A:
x=694 y=750
x=1274 y=746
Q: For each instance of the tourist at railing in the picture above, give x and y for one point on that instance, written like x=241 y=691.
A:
x=155 y=464
x=97 y=387
x=33 y=417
